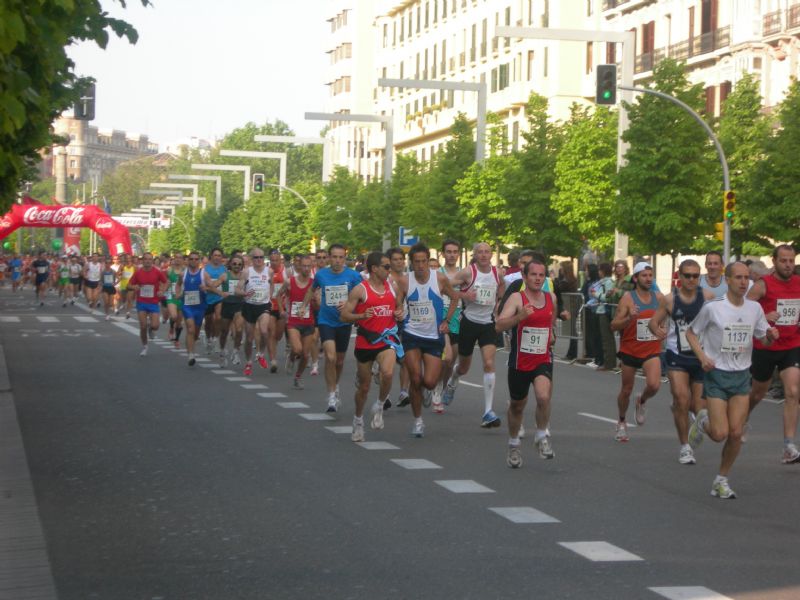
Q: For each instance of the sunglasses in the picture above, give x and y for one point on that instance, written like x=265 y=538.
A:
x=691 y=275
x=387 y=267
x=257 y=256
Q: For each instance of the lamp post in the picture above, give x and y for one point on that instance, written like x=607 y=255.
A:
x=281 y=156
x=178 y=186
x=215 y=178
x=235 y=168
x=295 y=139
x=466 y=86
x=288 y=189
x=388 y=151
x=628 y=41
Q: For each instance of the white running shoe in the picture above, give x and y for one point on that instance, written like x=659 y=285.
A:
x=358 y=431
x=235 y=358
x=333 y=403
x=315 y=368
x=514 y=457
x=223 y=360
x=621 y=434
x=418 y=429
x=686 y=457
x=144 y=351
x=791 y=454
x=641 y=411
x=545 y=449
x=377 y=415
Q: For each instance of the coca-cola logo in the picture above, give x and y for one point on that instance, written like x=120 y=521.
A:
x=5 y=223
x=103 y=224
x=66 y=215
x=73 y=230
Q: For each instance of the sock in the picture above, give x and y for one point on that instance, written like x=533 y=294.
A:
x=540 y=435
x=418 y=420
x=719 y=478
x=787 y=441
x=514 y=441
x=358 y=420
x=488 y=391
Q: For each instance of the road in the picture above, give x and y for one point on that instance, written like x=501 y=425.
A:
x=154 y=480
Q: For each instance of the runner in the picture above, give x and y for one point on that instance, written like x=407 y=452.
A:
x=713 y=280
x=481 y=287
x=109 y=279
x=15 y=265
x=126 y=298
x=279 y=277
x=779 y=297
x=75 y=274
x=254 y=286
x=638 y=347
x=91 y=277
x=531 y=315
x=148 y=283
x=727 y=326
x=41 y=268
x=321 y=261
x=175 y=274
x=63 y=280
x=451 y=249
x=214 y=274
x=300 y=323
x=231 y=312
x=373 y=306
x=335 y=284
x=684 y=370
x=191 y=289
x=397 y=259
x=425 y=324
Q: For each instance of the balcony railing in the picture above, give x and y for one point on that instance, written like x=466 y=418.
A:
x=771 y=23
x=700 y=44
x=462 y=59
x=609 y=4
x=793 y=17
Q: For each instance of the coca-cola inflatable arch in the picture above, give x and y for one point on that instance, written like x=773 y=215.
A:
x=34 y=214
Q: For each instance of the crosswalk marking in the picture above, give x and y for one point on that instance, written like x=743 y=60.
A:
x=523 y=514
x=464 y=486
x=340 y=429
x=688 y=593
x=9 y=320
x=271 y=395
x=294 y=405
x=415 y=463
x=46 y=319
x=600 y=551
x=81 y=319
x=254 y=386
x=316 y=417
x=236 y=378
x=378 y=446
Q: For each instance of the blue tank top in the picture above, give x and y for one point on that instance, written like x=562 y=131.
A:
x=682 y=316
x=214 y=273
x=192 y=294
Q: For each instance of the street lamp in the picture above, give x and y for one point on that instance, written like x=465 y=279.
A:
x=178 y=186
x=217 y=179
x=288 y=189
x=235 y=168
x=294 y=139
x=281 y=156
x=466 y=86
x=388 y=151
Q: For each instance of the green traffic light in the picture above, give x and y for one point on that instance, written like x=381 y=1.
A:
x=607 y=95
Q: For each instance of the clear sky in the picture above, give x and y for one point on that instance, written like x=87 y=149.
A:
x=204 y=67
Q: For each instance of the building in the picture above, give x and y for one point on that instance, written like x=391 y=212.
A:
x=454 y=40
x=92 y=152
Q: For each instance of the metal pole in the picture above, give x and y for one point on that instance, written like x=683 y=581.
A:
x=726 y=183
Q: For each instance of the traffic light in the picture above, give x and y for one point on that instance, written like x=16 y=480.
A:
x=83 y=110
x=258 y=182
x=606 y=79
x=729 y=205
x=719 y=231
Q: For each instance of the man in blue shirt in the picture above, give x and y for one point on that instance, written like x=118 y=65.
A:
x=334 y=283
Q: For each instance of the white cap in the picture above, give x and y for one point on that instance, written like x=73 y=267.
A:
x=641 y=266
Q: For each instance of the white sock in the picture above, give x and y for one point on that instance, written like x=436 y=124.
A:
x=540 y=435
x=488 y=391
x=514 y=441
x=719 y=478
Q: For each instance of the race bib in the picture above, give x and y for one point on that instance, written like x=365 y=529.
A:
x=446 y=302
x=533 y=340
x=485 y=295
x=191 y=298
x=335 y=294
x=788 y=311
x=108 y=280
x=295 y=310
x=643 y=333
x=421 y=311
x=684 y=343
x=260 y=296
x=41 y=270
x=147 y=291
x=737 y=337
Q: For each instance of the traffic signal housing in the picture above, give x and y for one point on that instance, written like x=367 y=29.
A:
x=729 y=205
x=719 y=231
x=606 y=80
x=83 y=109
x=258 y=182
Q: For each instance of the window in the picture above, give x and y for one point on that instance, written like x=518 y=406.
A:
x=436 y=10
x=484 y=33
x=546 y=59
x=710 y=93
x=502 y=78
x=724 y=92
x=385 y=34
x=589 y=8
x=515 y=136
x=427 y=13
x=531 y=59
x=611 y=53
x=589 y=57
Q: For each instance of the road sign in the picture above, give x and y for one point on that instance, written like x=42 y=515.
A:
x=406 y=237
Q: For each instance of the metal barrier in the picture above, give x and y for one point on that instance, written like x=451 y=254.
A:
x=572 y=328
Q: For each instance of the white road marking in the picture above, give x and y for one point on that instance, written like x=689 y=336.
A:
x=203 y=360
x=254 y=386
x=378 y=446
x=223 y=372
x=81 y=319
x=688 y=593
x=523 y=514
x=600 y=551
x=316 y=417
x=9 y=320
x=335 y=428
x=271 y=395
x=467 y=383
x=415 y=463
x=207 y=366
x=464 y=486
x=606 y=419
x=293 y=405
x=44 y=319
x=236 y=378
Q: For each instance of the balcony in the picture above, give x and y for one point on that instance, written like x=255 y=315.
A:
x=462 y=59
x=609 y=4
x=793 y=20
x=778 y=21
x=771 y=23
x=696 y=46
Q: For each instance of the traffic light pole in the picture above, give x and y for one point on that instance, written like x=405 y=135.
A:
x=726 y=183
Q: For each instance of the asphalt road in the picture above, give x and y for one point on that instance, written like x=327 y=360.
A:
x=154 y=480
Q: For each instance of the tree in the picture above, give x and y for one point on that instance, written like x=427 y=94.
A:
x=37 y=81
x=121 y=187
x=777 y=177
x=666 y=186
x=584 y=176
x=332 y=217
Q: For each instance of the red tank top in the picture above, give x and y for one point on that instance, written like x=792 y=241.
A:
x=783 y=297
x=636 y=339
x=296 y=296
x=383 y=314
x=530 y=346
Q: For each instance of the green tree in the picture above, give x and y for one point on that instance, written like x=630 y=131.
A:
x=585 y=171
x=332 y=218
x=37 y=81
x=666 y=186
x=121 y=187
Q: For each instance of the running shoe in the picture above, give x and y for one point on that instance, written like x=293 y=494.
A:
x=418 y=429
x=209 y=345
x=490 y=420
x=223 y=360
x=192 y=360
x=64 y=305
x=790 y=454
x=745 y=431
x=248 y=369
x=695 y=431
x=273 y=367
x=262 y=362
x=426 y=398
x=545 y=449
x=235 y=358
x=721 y=489
x=315 y=369
x=298 y=385
x=686 y=457
x=144 y=351
x=403 y=399
x=521 y=433
x=449 y=394
x=358 y=431
x=377 y=415
x=641 y=411
x=621 y=434
x=151 y=333
x=387 y=404
x=127 y=315
x=289 y=366
x=108 y=317
x=514 y=457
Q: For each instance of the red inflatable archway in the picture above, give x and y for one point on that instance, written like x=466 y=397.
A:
x=34 y=214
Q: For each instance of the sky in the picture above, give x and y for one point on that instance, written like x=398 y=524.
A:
x=201 y=68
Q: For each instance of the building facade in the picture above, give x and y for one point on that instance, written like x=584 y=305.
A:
x=454 y=40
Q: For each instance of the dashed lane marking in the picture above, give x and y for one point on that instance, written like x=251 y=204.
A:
x=316 y=417
x=254 y=386
x=339 y=429
x=271 y=395
x=378 y=446
x=464 y=486
x=467 y=383
x=294 y=405
x=523 y=514
x=600 y=551
x=45 y=319
x=81 y=319
x=236 y=378
x=695 y=592
x=9 y=319
x=223 y=372
x=415 y=463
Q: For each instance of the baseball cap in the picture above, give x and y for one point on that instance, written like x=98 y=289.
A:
x=641 y=266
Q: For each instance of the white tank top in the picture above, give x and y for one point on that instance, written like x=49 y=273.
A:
x=260 y=284
x=93 y=271
x=424 y=307
x=481 y=310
